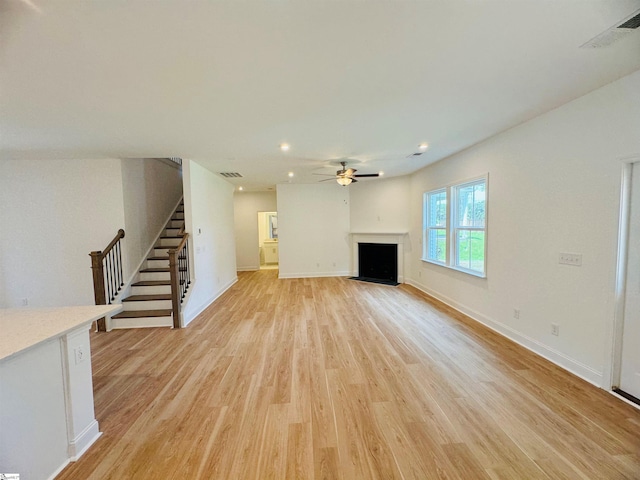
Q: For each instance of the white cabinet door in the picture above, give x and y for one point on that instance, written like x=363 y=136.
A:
x=270 y=252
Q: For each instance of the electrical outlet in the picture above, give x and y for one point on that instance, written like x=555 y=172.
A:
x=80 y=354
x=573 y=259
x=516 y=313
x=555 y=329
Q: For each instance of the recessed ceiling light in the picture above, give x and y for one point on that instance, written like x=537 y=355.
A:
x=381 y=173
x=284 y=147
x=240 y=188
x=423 y=146
x=290 y=174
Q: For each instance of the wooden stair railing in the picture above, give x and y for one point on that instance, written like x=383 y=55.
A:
x=106 y=266
x=180 y=275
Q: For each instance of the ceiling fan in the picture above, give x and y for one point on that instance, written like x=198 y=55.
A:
x=346 y=176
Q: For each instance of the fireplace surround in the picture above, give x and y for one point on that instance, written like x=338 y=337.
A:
x=394 y=240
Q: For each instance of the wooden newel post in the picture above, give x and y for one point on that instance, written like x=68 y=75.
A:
x=174 y=271
x=98 y=286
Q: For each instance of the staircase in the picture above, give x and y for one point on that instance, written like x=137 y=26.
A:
x=150 y=304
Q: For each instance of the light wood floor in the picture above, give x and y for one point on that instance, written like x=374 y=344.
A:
x=331 y=378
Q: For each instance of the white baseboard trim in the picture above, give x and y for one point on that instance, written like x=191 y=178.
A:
x=620 y=397
x=571 y=365
x=203 y=306
x=82 y=442
x=57 y=471
x=314 y=274
x=248 y=269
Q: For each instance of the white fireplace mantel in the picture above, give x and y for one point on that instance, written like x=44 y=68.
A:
x=397 y=238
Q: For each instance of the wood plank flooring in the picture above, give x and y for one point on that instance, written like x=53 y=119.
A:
x=329 y=378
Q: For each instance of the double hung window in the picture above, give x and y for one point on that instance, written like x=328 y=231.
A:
x=455 y=228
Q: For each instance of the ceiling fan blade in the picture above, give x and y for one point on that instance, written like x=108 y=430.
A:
x=324 y=175
x=353 y=180
x=327 y=179
x=368 y=175
x=349 y=172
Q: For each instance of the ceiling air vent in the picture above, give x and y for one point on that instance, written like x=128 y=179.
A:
x=414 y=154
x=632 y=23
x=626 y=27
x=230 y=174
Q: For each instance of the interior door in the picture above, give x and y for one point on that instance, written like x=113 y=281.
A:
x=630 y=362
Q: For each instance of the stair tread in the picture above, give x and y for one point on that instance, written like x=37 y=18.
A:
x=150 y=283
x=159 y=257
x=141 y=298
x=172 y=236
x=154 y=270
x=144 y=313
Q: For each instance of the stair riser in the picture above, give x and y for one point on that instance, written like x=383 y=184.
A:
x=150 y=290
x=154 y=276
x=169 y=232
x=176 y=224
x=117 y=323
x=147 y=305
x=168 y=242
x=161 y=251
x=178 y=216
x=157 y=263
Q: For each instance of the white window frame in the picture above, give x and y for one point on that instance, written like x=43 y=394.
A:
x=427 y=226
x=452 y=226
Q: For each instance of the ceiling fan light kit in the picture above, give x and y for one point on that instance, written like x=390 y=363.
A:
x=346 y=176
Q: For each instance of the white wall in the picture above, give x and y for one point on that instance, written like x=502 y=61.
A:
x=246 y=206
x=313 y=230
x=380 y=205
x=151 y=190
x=54 y=212
x=554 y=186
x=208 y=202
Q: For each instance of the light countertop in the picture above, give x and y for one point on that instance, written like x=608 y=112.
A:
x=23 y=328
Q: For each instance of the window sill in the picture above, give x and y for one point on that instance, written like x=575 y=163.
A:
x=457 y=269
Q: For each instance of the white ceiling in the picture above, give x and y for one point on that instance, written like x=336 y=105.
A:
x=224 y=83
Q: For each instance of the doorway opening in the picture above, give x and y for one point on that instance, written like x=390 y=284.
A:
x=625 y=379
x=268 y=240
